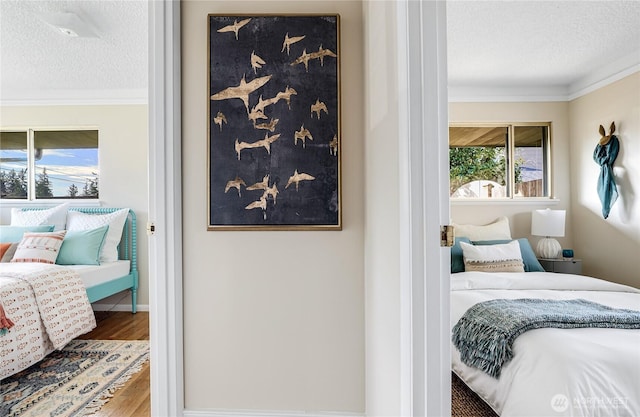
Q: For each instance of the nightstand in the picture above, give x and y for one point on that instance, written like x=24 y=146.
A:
x=566 y=266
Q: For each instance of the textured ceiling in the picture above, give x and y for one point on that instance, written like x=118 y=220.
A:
x=37 y=62
x=555 y=47
x=540 y=43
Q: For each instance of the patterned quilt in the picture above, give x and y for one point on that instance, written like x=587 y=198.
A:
x=49 y=307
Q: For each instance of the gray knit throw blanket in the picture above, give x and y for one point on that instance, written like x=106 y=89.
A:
x=485 y=334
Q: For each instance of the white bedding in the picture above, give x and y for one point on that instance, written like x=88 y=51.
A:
x=48 y=305
x=93 y=275
x=556 y=372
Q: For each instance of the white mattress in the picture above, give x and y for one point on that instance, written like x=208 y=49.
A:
x=93 y=275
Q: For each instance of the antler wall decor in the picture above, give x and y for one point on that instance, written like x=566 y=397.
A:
x=605 y=154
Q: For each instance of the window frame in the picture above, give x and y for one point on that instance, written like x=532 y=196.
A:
x=30 y=132
x=510 y=156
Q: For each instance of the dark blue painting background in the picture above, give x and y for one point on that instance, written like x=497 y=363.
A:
x=315 y=202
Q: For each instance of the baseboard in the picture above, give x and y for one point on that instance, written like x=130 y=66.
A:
x=118 y=307
x=267 y=413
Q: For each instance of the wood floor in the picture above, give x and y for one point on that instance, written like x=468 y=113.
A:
x=134 y=399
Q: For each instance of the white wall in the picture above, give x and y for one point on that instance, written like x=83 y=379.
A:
x=123 y=156
x=518 y=213
x=289 y=336
x=609 y=248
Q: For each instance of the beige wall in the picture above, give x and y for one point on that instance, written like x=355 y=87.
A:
x=609 y=248
x=272 y=320
x=519 y=214
x=123 y=155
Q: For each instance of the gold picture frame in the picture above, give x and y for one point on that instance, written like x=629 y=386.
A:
x=274 y=135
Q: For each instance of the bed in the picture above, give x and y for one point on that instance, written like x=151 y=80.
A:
x=552 y=371
x=50 y=304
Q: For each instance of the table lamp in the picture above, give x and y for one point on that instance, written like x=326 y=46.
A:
x=548 y=223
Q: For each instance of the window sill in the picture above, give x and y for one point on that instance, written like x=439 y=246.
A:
x=14 y=203
x=500 y=201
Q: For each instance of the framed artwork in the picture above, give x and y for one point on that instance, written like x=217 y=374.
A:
x=274 y=122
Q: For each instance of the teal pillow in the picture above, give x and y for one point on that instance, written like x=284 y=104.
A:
x=457 y=262
x=13 y=234
x=82 y=247
x=529 y=258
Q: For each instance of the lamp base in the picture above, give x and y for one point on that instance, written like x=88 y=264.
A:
x=549 y=248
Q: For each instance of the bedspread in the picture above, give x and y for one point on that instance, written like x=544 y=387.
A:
x=586 y=372
x=49 y=307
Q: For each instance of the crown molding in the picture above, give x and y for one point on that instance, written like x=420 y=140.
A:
x=602 y=77
x=608 y=74
x=73 y=97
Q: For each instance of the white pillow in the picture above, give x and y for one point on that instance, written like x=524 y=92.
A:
x=485 y=253
x=56 y=216
x=493 y=258
x=77 y=220
x=498 y=230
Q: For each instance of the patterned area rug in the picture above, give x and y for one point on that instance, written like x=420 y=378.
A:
x=75 y=381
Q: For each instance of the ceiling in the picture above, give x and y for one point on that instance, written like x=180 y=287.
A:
x=506 y=49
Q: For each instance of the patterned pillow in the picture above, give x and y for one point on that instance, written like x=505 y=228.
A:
x=77 y=220
x=529 y=258
x=493 y=258
x=56 y=216
x=39 y=247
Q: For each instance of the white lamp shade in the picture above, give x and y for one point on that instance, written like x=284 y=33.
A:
x=547 y=222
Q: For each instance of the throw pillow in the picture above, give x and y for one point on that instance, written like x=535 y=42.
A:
x=7 y=250
x=77 y=220
x=457 y=260
x=493 y=258
x=529 y=258
x=13 y=234
x=82 y=247
x=499 y=229
x=39 y=247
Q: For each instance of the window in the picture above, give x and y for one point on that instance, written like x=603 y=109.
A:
x=49 y=164
x=499 y=161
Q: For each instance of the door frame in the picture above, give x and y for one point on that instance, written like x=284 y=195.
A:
x=165 y=210
x=424 y=164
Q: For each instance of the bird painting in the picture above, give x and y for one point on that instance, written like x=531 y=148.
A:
x=235 y=27
x=321 y=54
x=303 y=59
x=271 y=191
x=302 y=134
x=235 y=183
x=219 y=119
x=281 y=95
x=255 y=114
x=290 y=41
x=242 y=90
x=333 y=146
x=271 y=126
x=297 y=177
x=262 y=185
x=262 y=204
x=263 y=143
x=256 y=62
x=317 y=107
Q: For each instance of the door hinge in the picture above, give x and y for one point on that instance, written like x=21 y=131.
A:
x=446 y=235
x=151 y=228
